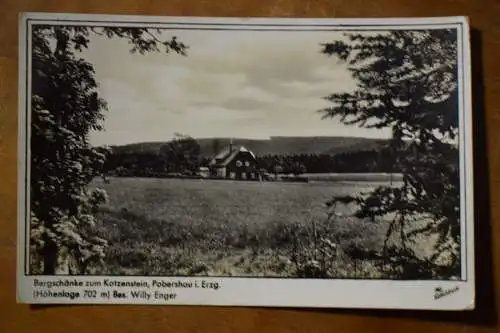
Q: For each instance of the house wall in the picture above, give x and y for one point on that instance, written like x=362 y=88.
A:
x=221 y=172
x=246 y=170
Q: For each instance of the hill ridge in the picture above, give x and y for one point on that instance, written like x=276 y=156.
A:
x=275 y=145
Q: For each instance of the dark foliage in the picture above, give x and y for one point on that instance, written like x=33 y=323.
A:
x=362 y=161
x=407 y=80
x=66 y=107
x=182 y=156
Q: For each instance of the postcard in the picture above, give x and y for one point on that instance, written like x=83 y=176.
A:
x=271 y=162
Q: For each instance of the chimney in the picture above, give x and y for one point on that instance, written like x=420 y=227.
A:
x=231 y=145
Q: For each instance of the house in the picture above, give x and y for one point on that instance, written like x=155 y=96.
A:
x=234 y=162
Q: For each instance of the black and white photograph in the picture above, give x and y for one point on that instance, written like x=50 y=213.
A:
x=235 y=161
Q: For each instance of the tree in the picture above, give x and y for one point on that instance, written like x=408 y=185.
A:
x=407 y=80
x=277 y=169
x=298 y=168
x=216 y=144
x=182 y=153
x=66 y=107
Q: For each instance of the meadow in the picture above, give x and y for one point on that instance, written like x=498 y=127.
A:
x=233 y=228
x=365 y=178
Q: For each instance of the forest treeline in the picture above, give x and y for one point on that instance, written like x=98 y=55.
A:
x=151 y=164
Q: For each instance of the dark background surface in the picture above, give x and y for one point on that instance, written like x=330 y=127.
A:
x=485 y=21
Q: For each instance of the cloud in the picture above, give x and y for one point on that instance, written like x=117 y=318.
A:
x=253 y=84
x=242 y=98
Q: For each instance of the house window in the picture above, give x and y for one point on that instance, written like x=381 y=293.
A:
x=238 y=163
x=247 y=164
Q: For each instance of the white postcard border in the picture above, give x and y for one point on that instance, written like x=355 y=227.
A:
x=274 y=292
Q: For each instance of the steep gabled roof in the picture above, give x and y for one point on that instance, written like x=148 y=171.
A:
x=226 y=155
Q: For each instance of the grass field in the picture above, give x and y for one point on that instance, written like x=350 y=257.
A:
x=355 y=177
x=228 y=228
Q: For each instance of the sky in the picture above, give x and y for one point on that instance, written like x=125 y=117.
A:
x=239 y=84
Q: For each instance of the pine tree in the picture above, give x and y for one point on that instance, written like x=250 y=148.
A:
x=407 y=80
